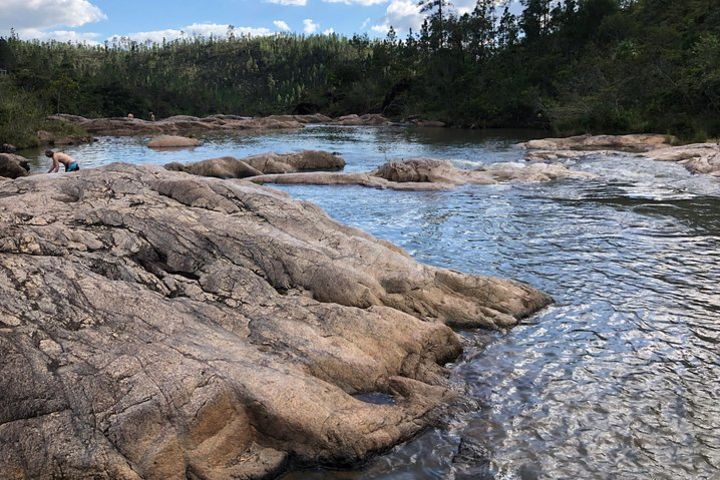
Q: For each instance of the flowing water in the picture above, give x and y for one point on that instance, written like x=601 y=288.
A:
x=620 y=378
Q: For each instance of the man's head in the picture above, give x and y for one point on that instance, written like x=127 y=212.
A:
x=49 y=153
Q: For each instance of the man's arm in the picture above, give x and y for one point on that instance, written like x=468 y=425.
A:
x=55 y=166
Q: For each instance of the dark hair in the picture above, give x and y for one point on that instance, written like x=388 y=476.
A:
x=49 y=153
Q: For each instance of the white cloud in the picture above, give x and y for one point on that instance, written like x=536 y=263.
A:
x=293 y=3
x=328 y=31
x=402 y=15
x=281 y=25
x=36 y=18
x=190 y=31
x=364 y=3
x=310 y=27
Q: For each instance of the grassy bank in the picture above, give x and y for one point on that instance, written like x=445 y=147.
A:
x=22 y=115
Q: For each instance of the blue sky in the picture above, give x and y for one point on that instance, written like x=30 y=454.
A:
x=143 y=20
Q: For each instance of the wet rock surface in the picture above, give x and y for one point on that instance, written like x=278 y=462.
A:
x=429 y=175
x=268 y=163
x=700 y=158
x=697 y=158
x=13 y=166
x=163 y=325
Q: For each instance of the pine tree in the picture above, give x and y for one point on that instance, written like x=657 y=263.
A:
x=535 y=18
x=436 y=7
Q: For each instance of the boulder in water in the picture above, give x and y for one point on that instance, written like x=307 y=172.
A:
x=173 y=141
x=13 y=166
x=230 y=167
x=224 y=167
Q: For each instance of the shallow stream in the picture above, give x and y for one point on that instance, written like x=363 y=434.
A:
x=619 y=379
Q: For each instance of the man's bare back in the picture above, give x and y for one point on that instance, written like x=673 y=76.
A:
x=70 y=164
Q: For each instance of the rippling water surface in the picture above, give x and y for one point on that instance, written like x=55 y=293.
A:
x=619 y=379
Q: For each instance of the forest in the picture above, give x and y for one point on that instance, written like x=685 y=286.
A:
x=570 y=66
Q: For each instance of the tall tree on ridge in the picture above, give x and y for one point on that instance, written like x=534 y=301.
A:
x=436 y=6
x=535 y=18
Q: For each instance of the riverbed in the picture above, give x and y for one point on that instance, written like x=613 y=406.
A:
x=619 y=379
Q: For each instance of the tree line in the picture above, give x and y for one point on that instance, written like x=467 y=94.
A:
x=566 y=65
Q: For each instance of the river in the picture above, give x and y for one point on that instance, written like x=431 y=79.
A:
x=620 y=378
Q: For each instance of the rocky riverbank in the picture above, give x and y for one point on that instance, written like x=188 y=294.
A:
x=155 y=324
x=184 y=124
x=699 y=158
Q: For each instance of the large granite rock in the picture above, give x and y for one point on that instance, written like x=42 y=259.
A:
x=167 y=326
x=230 y=167
x=13 y=166
x=430 y=175
x=223 y=167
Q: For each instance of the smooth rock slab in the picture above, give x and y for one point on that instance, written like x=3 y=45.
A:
x=166 y=326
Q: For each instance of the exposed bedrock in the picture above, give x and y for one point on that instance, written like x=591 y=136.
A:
x=230 y=167
x=157 y=325
x=429 y=175
x=180 y=124
x=697 y=158
x=626 y=143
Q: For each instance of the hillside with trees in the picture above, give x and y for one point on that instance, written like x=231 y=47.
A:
x=571 y=66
